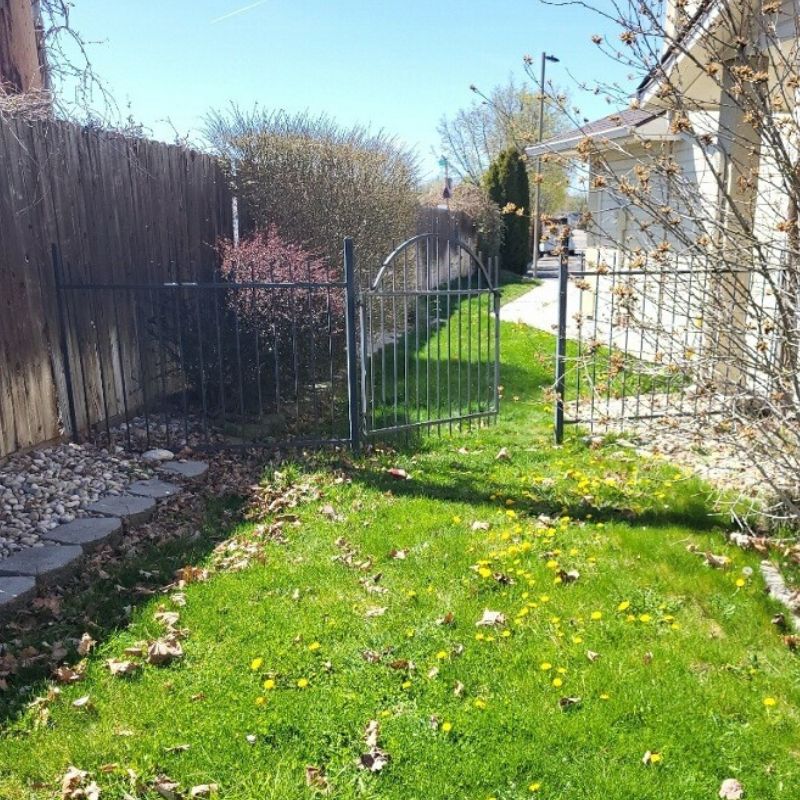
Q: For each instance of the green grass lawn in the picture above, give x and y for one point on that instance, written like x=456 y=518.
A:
x=287 y=661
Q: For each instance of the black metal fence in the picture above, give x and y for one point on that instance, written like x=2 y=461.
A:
x=209 y=363
x=219 y=362
x=659 y=338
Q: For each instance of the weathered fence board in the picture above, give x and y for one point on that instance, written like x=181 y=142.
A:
x=119 y=211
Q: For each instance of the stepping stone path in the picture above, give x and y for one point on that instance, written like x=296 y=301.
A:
x=35 y=568
x=15 y=590
x=154 y=488
x=47 y=564
x=89 y=532
x=131 y=509
x=188 y=470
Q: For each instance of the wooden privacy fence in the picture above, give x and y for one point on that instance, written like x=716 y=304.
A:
x=118 y=210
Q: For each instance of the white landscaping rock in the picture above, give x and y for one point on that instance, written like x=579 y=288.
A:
x=158 y=455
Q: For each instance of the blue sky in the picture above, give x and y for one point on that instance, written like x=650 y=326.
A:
x=397 y=64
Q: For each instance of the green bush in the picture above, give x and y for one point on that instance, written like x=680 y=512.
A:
x=506 y=181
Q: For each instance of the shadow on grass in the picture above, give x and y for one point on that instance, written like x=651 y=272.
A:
x=469 y=486
x=106 y=595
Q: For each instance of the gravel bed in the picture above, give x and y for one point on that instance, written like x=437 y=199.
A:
x=44 y=488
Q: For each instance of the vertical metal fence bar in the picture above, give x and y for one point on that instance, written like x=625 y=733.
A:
x=101 y=366
x=312 y=343
x=352 y=354
x=561 y=343
x=182 y=358
x=201 y=366
x=217 y=296
x=449 y=334
x=143 y=372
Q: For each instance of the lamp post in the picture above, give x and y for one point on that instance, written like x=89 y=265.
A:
x=537 y=225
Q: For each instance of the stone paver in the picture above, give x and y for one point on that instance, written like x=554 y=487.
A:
x=158 y=490
x=47 y=564
x=15 y=591
x=89 y=533
x=188 y=470
x=131 y=509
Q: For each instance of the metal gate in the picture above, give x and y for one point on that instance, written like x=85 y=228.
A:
x=430 y=338
x=207 y=361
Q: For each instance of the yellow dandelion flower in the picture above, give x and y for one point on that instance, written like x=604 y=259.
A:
x=558 y=683
x=269 y=684
x=302 y=683
x=770 y=702
x=577 y=640
x=256 y=663
x=624 y=605
x=605 y=696
x=456 y=519
x=644 y=618
x=260 y=701
x=597 y=615
x=442 y=654
x=545 y=666
x=534 y=787
x=406 y=684
x=447 y=727
x=741 y=582
x=314 y=646
x=485 y=572
x=479 y=702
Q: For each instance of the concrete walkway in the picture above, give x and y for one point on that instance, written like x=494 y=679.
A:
x=539 y=307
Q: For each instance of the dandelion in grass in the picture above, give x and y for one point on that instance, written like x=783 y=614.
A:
x=545 y=666
x=256 y=664
x=645 y=618
x=447 y=727
x=558 y=682
x=740 y=582
x=480 y=703
x=597 y=615
x=624 y=605
x=302 y=683
x=269 y=684
x=770 y=702
x=314 y=646
x=442 y=654
x=260 y=700
x=534 y=787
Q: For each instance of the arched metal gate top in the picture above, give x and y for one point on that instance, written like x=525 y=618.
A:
x=458 y=243
x=429 y=325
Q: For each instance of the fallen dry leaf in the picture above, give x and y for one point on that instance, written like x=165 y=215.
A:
x=71 y=782
x=400 y=555
x=315 y=779
x=375 y=611
x=82 y=702
x=651 y=758
x=503 y=455
x=177 y=748
x=448 y=619
x=203 y=790
x=566 y=703
x=375 y=759
x=481 y=526
x=85 y=645
x=399 y=474
x=490 y=618
x=119 y=668
x=592 y=656
x=67 y=675
x=731 y=789
x=458 y=689
x=163 y=651
x=166 y=787
x=569 y=576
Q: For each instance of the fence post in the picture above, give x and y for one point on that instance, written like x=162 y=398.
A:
x=351 y=298
x=561 y=342
x=62 y=335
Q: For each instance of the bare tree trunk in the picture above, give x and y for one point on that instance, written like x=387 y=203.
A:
x=21 y=54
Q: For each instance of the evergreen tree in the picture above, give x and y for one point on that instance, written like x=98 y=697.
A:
x=506 y=180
